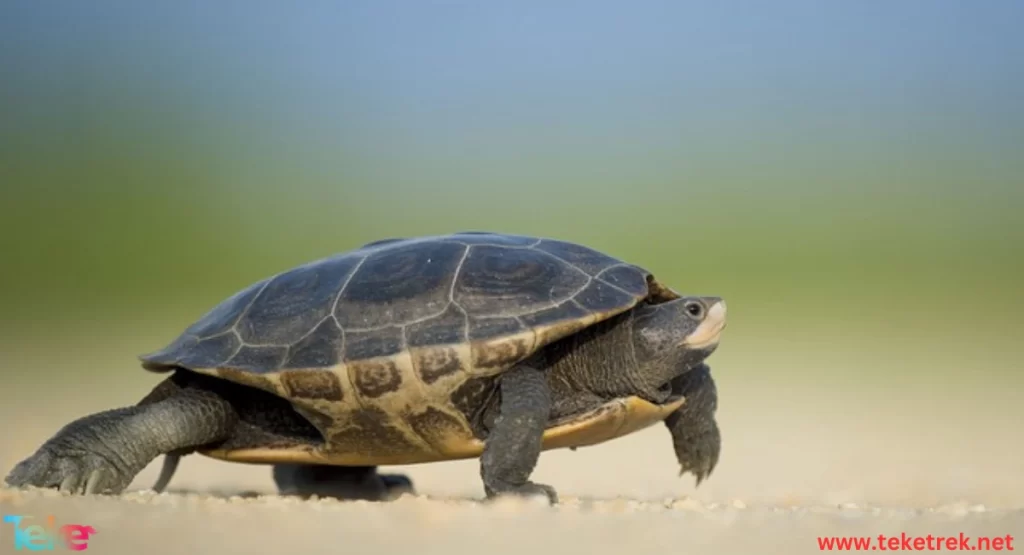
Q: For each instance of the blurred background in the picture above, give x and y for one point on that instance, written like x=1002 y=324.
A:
x=846 y=175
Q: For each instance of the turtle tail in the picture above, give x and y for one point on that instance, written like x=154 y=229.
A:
x=171 y=461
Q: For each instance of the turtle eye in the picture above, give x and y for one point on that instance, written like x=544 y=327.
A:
x=695 y=309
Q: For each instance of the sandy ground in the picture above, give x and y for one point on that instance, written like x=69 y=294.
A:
x=802 y=458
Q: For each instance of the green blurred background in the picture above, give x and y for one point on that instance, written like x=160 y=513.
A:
x=846 y=175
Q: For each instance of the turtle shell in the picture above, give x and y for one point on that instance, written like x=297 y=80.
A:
x=398 y=329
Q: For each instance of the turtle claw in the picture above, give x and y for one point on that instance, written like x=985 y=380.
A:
x=102 y=480
x=699 y=474
x=529 y=490
x=699 y=457
x=74 y=473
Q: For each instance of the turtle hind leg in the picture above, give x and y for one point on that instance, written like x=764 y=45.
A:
x=103 y=452
x=340 y=482
x=696 y=438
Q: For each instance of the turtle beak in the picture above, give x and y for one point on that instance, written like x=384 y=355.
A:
x=709 y=332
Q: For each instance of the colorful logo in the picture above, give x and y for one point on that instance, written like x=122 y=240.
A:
x=31 y=534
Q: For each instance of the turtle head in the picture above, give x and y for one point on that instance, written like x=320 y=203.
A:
x=672 y=337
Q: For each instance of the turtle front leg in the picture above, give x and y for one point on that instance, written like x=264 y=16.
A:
x=341 y=482
x=695 y=435
x=102 y=453
x=513 y=445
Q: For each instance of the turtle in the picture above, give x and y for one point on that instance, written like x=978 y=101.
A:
x=414 y=350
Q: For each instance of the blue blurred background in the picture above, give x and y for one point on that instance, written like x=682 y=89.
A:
x=846 y=174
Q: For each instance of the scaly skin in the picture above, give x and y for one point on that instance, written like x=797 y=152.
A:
x=654 y=352
x=514 y=444
x=696 y=438
x=102 y=453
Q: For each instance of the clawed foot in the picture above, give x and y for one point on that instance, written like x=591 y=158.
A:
x=529 y=490
x=72 y=471
x=346 y=483
x=376 y=488
x=696 y=438
x=397 y=485
x=699 y=456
